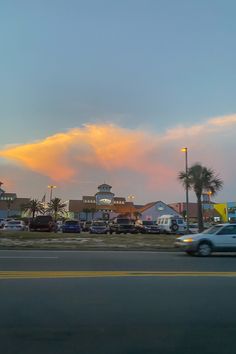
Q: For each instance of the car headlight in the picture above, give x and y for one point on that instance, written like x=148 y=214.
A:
x=187 y=240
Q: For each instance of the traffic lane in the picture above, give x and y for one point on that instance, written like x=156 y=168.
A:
x=113 y=260
x=118 y=315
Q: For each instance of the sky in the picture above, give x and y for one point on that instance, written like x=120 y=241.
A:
x=109 y=91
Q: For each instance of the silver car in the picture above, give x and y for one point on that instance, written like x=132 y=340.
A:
x=218 y=238
x=15 y=225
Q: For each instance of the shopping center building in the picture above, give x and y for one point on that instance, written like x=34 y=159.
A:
x=105 y=205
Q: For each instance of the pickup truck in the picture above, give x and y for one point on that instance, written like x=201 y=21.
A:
x=42 y=223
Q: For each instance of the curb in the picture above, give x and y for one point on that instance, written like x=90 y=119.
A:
x=173 y=250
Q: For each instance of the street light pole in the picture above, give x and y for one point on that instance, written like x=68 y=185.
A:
x=131 y=197
x=51 y=187
x=185 y=150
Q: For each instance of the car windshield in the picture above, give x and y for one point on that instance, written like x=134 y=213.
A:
x=212 y=230
x=98 y=224
x=43 y=218
x=123 y=221
x=148 y=223
x=71 y=222
x=14 y=223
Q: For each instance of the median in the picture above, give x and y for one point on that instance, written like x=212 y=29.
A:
x=84 y=241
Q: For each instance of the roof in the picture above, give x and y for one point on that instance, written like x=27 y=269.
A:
x=128 y=207
x=107 y=192
x=104 y=184
x=147 y=206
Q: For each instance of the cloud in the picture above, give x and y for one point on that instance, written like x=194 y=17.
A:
x=63 y=155
x=212 y=125
x=94 y=151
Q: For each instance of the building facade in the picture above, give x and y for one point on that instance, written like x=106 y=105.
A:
x=103 y=205
x=152 y=211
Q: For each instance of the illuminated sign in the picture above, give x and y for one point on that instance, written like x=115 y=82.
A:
x=104 y=199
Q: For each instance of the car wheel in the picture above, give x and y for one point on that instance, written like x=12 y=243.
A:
x=204 y=249
x=174 y=228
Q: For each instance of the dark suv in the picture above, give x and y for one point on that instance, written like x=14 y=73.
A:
x=148 y=227
x=123 y=226
x=42 y=223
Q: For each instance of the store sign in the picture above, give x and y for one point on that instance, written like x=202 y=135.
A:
x=104 y=199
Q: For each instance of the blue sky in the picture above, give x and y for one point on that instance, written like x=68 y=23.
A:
x=149 y=64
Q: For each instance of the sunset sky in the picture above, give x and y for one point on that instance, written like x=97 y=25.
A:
x=106 y=90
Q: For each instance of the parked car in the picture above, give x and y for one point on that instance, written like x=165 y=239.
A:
x=123 y=226
x=71 y=226
x=15 y=225
x=148 y=227
x=86 y=225
x=193 y=228
x=218 y=238
x=42 y=223
x=59 y=225
x=2 y=222
x=171 y=224
x=98 y=227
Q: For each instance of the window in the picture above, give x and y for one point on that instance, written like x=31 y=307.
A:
x=71 y=222
x=232 y=210
x=228 y=230
x=212 y=230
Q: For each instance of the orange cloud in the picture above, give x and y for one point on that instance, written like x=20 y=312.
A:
x=108 y=147
x=62 y=155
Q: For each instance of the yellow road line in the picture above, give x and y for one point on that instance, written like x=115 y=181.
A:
x=102 y=274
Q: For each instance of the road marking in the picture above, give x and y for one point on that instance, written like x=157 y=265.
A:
x=103 y=274
x=22 y=257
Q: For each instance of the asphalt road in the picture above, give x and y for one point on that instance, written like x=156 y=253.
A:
x=126 y=311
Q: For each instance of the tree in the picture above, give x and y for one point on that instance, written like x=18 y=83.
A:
x=137 y=215
x=33 y=207
x=56 y=208
x=201 y=179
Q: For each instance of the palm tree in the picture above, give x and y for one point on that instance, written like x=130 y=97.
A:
x=33 y=207
x=56 y=207
x=137 y=215
x=201 y=179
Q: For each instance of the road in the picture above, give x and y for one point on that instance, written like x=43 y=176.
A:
x=116 y=302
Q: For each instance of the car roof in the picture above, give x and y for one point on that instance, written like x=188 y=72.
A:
x=224 y=224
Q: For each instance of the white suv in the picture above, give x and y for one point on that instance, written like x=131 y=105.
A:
x=218 y=238
x=171 y=224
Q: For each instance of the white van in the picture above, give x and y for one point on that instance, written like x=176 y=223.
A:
x=172 y=224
